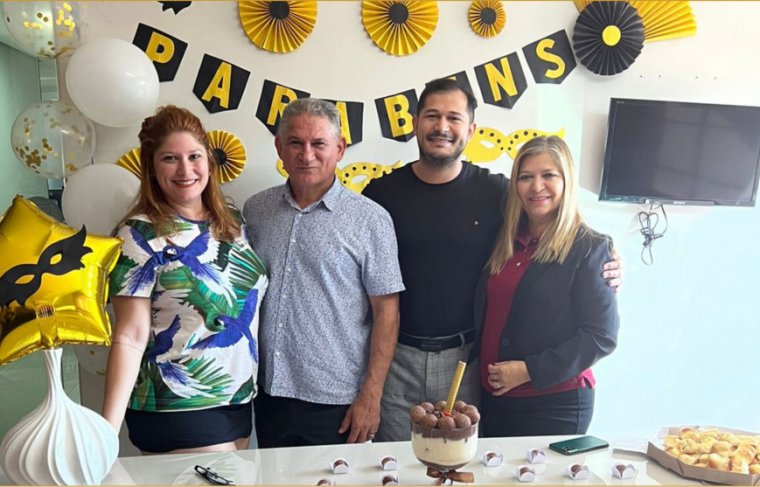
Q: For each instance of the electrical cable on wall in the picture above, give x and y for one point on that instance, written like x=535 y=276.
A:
x=648 y=219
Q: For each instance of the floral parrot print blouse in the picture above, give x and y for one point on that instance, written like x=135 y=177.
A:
x=205 y=296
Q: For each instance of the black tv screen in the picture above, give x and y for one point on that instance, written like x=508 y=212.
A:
x=681 y=153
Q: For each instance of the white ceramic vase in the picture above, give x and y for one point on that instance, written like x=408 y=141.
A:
x=60 y=442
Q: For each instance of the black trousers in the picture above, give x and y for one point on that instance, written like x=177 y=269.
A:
x=283 y=422
x=563 y=413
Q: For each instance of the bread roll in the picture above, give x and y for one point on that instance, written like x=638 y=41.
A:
x=722 y=448
x=741 y=458
x=739 y=466
x=692 y=447
x=672 y=451
x=671 y=441
x=688 y=432
x=706 y=445
x=689 y=459
x=719 y=462
x=715 y=449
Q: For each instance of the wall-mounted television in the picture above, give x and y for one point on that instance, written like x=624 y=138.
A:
x=681 y=153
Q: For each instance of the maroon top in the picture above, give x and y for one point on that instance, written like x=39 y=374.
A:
x=501 y=289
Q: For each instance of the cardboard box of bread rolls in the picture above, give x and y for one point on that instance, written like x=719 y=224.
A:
x=714 y=454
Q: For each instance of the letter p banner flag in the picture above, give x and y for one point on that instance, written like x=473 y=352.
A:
x=164 y=50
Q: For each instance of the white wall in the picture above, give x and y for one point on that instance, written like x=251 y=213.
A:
x=690 y=329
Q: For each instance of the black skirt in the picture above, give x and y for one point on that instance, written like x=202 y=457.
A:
x=161 y=432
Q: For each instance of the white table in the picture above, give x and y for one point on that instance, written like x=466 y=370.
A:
x=307 y=465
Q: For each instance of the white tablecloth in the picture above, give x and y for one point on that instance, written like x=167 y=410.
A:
x=307 y=465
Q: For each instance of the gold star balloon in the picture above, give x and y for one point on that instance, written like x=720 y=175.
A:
x=53 y=283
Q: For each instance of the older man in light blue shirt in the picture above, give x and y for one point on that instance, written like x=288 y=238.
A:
x=330 y=321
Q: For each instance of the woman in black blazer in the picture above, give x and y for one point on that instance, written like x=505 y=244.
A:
x=545 y=313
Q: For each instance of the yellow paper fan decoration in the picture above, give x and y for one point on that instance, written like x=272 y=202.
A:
x=229 y=153
x=399 y=27
x=277 y=26
x=663 y=19
x=354 y=176
x=666 y=20
x=131 y=161
x=486 y=17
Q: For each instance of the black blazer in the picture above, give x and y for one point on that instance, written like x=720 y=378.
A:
x=563 y=318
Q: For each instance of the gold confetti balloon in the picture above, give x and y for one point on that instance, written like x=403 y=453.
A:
x=53 y=283
x=45 y=29
x=53 y=139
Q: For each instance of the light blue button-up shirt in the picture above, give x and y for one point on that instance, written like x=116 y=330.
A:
x=324 y=261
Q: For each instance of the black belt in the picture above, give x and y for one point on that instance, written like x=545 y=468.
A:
x=436 y=344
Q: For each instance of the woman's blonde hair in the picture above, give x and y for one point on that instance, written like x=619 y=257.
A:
x=151 y=200
x=556 y=242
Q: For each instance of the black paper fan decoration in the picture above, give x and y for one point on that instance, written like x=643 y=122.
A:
x=608 y=37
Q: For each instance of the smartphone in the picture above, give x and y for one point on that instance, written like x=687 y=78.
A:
x=578 y=445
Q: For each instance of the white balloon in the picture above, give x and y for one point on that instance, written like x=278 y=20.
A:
x=99 y=196
x=112 y=82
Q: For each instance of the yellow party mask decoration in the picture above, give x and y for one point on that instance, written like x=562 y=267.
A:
x=53 y=283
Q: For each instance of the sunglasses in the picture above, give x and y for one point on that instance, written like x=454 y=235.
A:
x=213 y=477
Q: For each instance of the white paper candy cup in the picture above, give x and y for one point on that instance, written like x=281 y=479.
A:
x=525 y=473
x=388 y=462
x=389 y=479
x=339 y=466
x=577 y=471
x=492 y=459
x=624 y=471
x=535 y=455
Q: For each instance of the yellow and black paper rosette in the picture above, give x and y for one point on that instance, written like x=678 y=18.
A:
x=131 y=161
x=608 y=37
x=228 y=151
x=278 y=26
x=400 y=27
x=663 y=19
x=487 y=17
x=229 y=154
